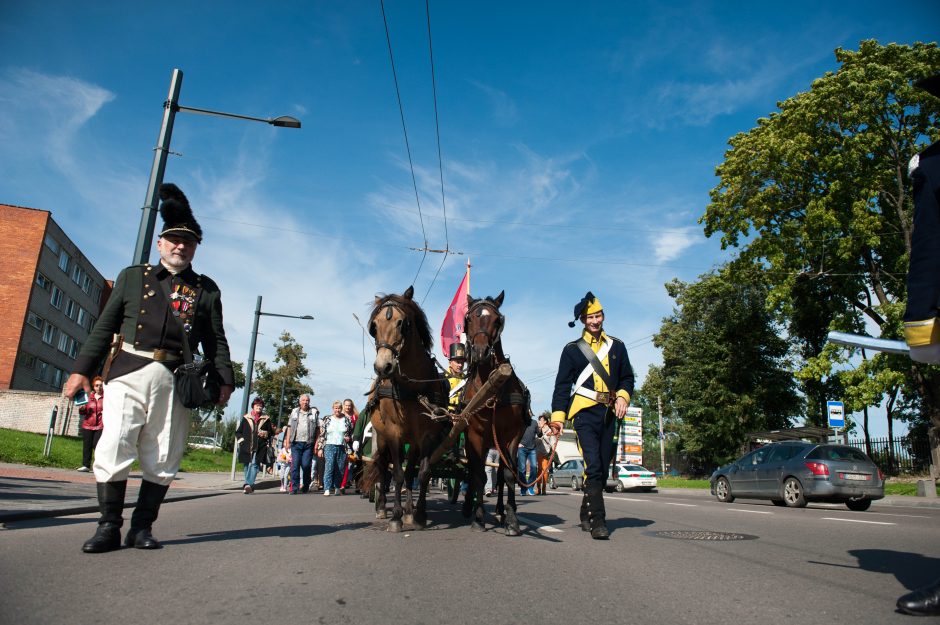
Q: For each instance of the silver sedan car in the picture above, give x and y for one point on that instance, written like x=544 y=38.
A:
x=793 y=473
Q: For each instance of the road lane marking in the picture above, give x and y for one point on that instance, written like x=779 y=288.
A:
x=547 y=528
x=685 y=505
x=907 y=516
x=751 y=511
x=829 y=518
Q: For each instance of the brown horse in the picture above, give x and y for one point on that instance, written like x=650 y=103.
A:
x=405 y=370
x=501 y=425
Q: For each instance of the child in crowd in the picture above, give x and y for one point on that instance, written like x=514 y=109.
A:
x=283 y=468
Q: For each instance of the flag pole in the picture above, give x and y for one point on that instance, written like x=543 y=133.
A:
x=468 y=275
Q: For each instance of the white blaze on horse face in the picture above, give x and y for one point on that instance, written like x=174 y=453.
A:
x=484 y=312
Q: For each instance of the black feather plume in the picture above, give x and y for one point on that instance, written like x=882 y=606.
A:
x=176 y=211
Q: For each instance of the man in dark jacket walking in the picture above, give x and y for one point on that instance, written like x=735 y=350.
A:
x=152 y=310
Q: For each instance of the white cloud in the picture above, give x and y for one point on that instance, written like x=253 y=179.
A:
x=670 y=244
x=503 y=106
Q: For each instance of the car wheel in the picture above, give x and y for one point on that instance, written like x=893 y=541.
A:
x=793 y=493
x=778 y=502
x=574 y=483
x=859 y=505
x=723 y=490
x=619 y=487
x=551 y=482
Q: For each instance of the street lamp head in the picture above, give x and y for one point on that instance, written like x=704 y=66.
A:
x=285 y=122
x=307 y=317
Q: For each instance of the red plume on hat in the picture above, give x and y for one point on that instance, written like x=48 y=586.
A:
x=177 y=216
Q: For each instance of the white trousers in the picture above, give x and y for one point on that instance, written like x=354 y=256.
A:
x=142 y=420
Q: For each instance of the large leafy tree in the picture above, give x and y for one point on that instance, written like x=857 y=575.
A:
x=817 y=196
x=288 y=376
x=725 y=371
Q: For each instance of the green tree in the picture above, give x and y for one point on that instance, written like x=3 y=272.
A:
x=269 y=382
x=725 y=371
x=817 y=196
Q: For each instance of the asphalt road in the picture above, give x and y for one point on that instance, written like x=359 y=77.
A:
x=271 y=558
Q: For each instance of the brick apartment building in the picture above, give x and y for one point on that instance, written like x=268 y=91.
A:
x=50 y=298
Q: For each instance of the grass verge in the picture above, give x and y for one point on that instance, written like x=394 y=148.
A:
x=26 y=448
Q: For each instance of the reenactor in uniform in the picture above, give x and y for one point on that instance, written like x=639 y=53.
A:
x=455 y=373
x=921 y=325
x=593 y=403
x=151 y=311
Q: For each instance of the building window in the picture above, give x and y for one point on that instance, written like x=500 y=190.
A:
x=34 y=320
x=27 y=360
x=82 y=318
x=42 y=370
x=43 y=282
x=91 y=324
x=58 y=377
x=52 y=244
x=71 y=308
x=86 y=283
x=56 y=299
x=77 y=273
x=48 y=333
x=96 y=294
x=64 y=259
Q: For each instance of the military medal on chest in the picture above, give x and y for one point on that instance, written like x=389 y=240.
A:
x=183 y=303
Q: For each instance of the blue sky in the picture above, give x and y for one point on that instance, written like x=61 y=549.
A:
x=579 y=143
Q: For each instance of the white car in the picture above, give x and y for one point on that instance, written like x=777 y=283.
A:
x=630 y=476
x=204 y=442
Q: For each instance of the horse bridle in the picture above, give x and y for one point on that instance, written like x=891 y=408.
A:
x=499 y=323
x=405 y=327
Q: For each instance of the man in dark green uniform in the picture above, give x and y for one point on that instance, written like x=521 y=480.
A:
x=151 y=311
x=592 y=389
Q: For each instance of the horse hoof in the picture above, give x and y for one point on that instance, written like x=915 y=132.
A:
x=408 y=519
x=394 y=526
x=500 y=519
x=381 y=514
x=513 y=531
x=420 y=520
x=477 y=527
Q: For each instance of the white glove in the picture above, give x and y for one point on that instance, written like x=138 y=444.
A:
x=355 y=446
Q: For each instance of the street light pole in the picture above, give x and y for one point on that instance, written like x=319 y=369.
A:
x=148 y=217
x=251 y=365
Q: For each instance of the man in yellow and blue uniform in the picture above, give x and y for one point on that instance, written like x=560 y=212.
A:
x=922 y=314
x=581 y=395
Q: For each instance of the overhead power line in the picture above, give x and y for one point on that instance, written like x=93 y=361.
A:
x=401 y=111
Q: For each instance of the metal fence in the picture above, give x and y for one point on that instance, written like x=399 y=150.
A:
x=898 y=456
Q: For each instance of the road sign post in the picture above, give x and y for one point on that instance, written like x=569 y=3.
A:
x=836 y=414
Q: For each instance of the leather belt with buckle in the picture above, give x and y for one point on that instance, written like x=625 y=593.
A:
x=156 y=355
x=601 y=397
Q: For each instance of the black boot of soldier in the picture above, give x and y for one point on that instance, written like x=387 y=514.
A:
x=922 y=602
x=111 y=504
x=596 y=512
x=585 y=518
x=148 y=506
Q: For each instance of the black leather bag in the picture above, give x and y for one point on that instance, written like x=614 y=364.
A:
x=195 y=383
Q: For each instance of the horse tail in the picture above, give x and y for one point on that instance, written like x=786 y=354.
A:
x=376 y=469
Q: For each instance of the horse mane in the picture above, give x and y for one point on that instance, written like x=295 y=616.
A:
x=411 y=309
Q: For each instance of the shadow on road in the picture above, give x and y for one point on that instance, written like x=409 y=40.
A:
x=285 y=531
x=624 y=523
x=912 y=570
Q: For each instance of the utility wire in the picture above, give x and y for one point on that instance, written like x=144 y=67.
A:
x=440 y=158
x=404 y=129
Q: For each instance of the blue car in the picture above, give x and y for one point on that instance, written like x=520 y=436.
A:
x=793 y=473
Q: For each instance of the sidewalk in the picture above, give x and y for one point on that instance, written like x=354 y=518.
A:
x=35 y=492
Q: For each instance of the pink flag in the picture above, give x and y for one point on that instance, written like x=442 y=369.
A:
x=452 y=327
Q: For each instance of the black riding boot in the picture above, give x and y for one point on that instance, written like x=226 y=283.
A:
x=596 y=512
x=111 y=503
x=585 y=519
x=148 y=505
x=922 y=602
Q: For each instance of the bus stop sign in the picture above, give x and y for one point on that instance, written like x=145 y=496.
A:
x=836 y=410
